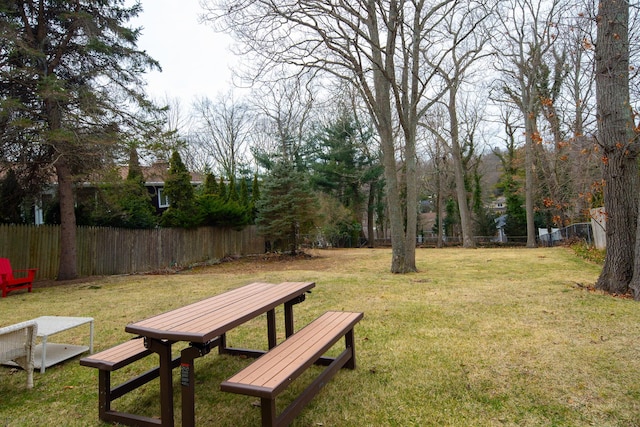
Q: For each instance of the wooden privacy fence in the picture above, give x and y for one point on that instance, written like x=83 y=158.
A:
x=107 y=251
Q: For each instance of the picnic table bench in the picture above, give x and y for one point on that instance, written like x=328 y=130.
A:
x=273 y=372
x=112 y=359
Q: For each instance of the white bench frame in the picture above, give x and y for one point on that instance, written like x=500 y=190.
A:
x=17 y=344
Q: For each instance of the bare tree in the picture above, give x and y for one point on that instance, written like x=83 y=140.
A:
x=286 y=110
x=221 y=131
x=464 y=38
x=436 y=149
x=175 y=129
x=529 y=29
x=377 y=47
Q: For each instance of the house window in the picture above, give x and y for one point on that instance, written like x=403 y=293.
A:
x=163 y=200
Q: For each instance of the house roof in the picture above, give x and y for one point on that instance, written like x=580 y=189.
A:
x=157 y=173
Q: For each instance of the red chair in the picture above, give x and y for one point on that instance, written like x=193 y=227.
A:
x=9 y=283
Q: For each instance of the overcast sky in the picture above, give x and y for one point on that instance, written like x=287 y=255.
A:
x=195 y=60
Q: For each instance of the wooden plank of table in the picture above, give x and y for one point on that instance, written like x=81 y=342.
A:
x=179 y=315
x=207 y=319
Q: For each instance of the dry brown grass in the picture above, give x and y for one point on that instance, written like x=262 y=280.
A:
x=487 y=337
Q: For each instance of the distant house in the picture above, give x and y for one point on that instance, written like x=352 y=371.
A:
x=499 y=205
x=154 y=179
x=426 y=226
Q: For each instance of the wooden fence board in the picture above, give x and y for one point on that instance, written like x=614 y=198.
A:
x=107 y=251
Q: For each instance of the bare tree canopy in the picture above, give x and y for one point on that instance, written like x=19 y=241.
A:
x=221 y=132
x=379 y=48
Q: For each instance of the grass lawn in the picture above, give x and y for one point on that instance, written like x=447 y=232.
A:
x=486 y=337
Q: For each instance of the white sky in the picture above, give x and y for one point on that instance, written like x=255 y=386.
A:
x=195 y=60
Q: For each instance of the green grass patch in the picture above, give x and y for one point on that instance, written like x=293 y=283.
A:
x=485 y=337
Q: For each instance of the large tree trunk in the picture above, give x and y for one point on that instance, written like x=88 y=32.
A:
x=371 y=217
x=67 y=267
x=440 y=203
x=399 y=261
x=412 y=206
x=531 y=130
x=68 y=255
x=402 y=257
x=616 y=137
x=461 y=188
x=621 y=202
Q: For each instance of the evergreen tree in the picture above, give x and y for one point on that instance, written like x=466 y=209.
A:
x=233 y=192
x=516 y=224
x=215 y=212
x=339 y=168
x=511 y=186
x=211 y=185
x=244 y=193
x=179 y=190
x=218 y=211
x=484 y=219
x=11 y=199
x=255 y=197
x=286 y=208
x=137 y=210
x=70 y=72
x=255 y=189
x=344 y=166
x=452 y=218
x=222 y=190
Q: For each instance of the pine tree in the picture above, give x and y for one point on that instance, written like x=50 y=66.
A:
x=211 y=185
x=178 y=189
x=244 y=194
x=255 y=197
x=137 y=211
x=255 y=189
x=286 y=209
x=233 y=192
x=70 y=74
x=222 y=190
x=11 y=198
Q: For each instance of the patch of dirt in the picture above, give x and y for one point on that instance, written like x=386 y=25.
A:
x=266 y=262
x=246 y=264
x=50 y=282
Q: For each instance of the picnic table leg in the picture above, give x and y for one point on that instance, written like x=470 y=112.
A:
x=223 y=344
x=271 y=328
x=163 y=349
x=350 y=343
x=187 y=380
x=288 y=314
x=288 y=318
x=104 y=393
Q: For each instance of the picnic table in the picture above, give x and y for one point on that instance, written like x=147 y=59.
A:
x=204 y=325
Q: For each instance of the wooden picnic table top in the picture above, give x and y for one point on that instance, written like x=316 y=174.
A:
x=204 y=320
